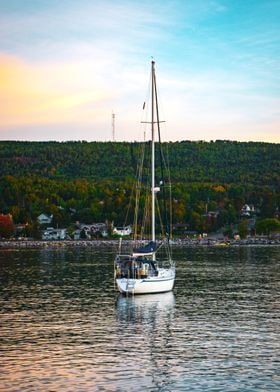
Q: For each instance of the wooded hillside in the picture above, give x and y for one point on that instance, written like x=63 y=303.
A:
x=220 y=161
x=95 y=179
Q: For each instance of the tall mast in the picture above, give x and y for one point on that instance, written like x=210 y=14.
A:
x=113 y=125
x=153 y=154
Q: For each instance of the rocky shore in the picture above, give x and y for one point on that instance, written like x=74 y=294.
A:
x=22 y=244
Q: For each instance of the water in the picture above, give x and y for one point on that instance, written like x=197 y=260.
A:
x=63 y=328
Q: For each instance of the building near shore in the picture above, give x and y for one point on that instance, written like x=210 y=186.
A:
x=44 y=219
x=54 y=234
x=122 y=231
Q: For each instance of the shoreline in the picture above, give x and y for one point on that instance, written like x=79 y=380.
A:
x=35 y=244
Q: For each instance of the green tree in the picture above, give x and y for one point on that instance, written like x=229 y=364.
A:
x=243 y=228
x=267 y=226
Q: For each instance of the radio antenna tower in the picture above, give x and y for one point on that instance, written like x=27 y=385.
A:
x=113 y=125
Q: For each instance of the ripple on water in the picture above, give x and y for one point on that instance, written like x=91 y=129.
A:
x=63 y=327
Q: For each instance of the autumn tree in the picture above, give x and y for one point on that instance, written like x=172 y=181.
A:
x=6 y=226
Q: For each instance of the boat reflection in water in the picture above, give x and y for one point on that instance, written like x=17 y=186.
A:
x=149 y=307
x=145 y=336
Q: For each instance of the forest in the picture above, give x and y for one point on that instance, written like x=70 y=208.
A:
x=92 y=181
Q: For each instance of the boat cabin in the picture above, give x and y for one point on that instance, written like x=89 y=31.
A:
x=132 y=267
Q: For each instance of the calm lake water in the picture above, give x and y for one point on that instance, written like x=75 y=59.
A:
x=64 y=328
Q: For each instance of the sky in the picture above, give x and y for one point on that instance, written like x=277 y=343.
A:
x=66 y=66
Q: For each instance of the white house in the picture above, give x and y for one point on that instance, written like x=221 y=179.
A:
x=122 y=231
x=247 y=210
x=54 y=234
x=44 y=219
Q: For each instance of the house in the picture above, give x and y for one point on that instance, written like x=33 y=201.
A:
x=76 y=234
x=179 y=228
x=44 y=219
x=94 y=228
x=20 y=229
x=54 y=234
x=100 y=228
x=81 y=233
x=122 y=231
x=211 y=214
x=247 y=210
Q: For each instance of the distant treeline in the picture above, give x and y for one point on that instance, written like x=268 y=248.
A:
x=92 y=181
x=219 y=162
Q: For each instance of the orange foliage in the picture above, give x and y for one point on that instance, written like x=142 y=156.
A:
x=6 y=225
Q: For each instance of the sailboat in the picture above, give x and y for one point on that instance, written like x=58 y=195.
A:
x=140 y=271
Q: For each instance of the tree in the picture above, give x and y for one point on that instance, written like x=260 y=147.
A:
x=34 y=230
x=268 y=225
x=92 y=182
x=83 y=234
x=243 y=228
x=6 y=226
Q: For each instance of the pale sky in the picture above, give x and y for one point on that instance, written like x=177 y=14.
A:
x=66 y=65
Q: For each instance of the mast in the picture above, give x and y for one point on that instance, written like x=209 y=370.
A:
x=153 y=154
x=113 y=125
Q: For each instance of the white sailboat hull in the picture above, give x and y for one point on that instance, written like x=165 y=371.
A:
x=154 y=284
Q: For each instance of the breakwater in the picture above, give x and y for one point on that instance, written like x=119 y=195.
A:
x=21 y=244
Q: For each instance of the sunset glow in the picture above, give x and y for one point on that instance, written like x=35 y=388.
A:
x=29 y=94
x=65 y=66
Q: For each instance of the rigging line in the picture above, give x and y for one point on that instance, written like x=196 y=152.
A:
x=133 y=190
x=146 y=108
x=142 y=191
x=129 y=204
x=145 y=114
x=161 y=163
x=115 y=274
x=170 y=194
x=146 y=217
x=138 y=188
x=166 y=162
x=146 y=214
x=159 y=217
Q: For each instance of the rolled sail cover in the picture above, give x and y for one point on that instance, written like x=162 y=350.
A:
x=148 y=249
